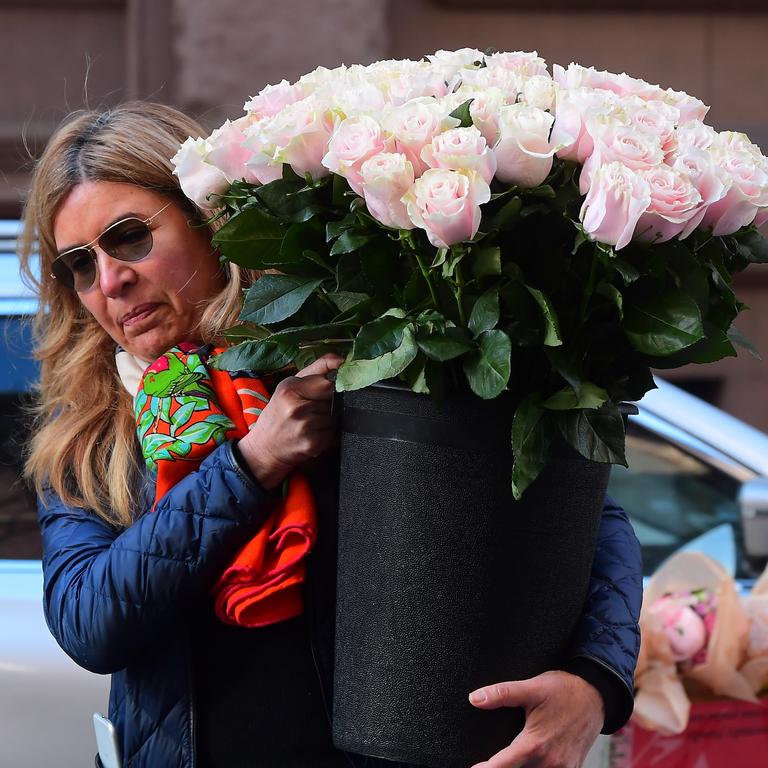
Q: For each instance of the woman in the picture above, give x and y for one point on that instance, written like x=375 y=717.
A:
x=127 y=591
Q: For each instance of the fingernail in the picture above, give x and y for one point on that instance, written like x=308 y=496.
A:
x=331 y=375
x=477 y=697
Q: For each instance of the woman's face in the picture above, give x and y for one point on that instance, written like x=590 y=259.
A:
x=146 y=306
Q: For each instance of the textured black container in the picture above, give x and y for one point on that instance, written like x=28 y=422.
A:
x=444 y=582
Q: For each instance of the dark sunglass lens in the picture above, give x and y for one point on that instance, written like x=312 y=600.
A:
x=75 y=269
x=129 y=240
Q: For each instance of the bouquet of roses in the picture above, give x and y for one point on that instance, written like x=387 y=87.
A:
x=471 y=221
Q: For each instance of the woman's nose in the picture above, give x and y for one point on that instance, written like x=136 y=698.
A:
x=113 y=275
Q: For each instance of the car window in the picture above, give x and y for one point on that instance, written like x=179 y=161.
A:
x=673 y=497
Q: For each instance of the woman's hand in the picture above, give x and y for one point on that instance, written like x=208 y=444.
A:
x=296 y=424
x=563 y=716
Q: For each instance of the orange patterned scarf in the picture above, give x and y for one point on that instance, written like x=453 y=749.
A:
x=184 y=409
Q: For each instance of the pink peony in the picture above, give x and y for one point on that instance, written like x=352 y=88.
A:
x=683 y=627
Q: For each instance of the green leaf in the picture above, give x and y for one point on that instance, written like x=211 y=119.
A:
x=415 y=375
x=487 y=261
x=753 y=246
x=262 y=355
x=612 y=293
x=485 y=312
x=241 y=332
x=182 y=415
x=356 y=374
x=738 y=338
x=448 y=345
x=663 y=323
x=551 y=328
x=628 y=273
x=251 y=238
x=289 y=200
x=349 y=242
x=590 y=396
x=382 y=335
x=273 y=298
x=531 y=437
x=488 y=370
x=462 y=113
x=346 y=300
x=200 y=433
x=597 y=435
x=306 y=333
x=508 y=213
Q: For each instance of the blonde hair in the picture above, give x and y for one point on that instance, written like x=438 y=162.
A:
x=84 y=445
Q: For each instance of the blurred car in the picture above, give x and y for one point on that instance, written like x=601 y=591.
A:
x=698 y=478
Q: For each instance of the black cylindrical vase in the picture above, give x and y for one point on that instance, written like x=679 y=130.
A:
x=445 y=583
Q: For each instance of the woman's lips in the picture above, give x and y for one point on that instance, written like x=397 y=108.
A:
x=137 y=314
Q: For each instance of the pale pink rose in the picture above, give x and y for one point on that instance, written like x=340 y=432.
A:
x=761 y=217
x=674 y=202
x=681 y=625
x=261 y=162
x=386 y=178
x=353 y=94
x=446 y=205
x=300 y=135
x=624 y=144
x=461 y=149
x=616 y=200
x=414 y=124
x=273 y=98
x=484 y=111
x=622 y=84
x=574 y=110
x=747 y=169
x=523 y=152
x=353 y=141
x=464 y=57
x=406 y=80
x=711 y=181
x=228 y=152
x=654 y=117
x=528 y=64
x=199 y=180
x=695 y=134
x=508 y=82
x=539 y=91
x=690 y=107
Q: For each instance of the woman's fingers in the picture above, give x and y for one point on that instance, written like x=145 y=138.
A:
x=322 y=366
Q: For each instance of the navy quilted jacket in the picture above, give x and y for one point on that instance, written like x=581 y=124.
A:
x=119 y=601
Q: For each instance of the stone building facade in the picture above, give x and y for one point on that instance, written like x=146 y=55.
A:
x=207 y=57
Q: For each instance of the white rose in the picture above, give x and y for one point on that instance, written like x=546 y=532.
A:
x=272 y=99
x=539 y=91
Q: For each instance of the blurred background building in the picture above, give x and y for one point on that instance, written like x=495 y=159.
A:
x=208 y=57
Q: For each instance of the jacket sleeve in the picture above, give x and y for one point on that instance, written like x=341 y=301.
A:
x=109 y=593
x=606 y=641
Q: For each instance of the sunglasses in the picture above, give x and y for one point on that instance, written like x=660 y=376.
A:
x=126 y=240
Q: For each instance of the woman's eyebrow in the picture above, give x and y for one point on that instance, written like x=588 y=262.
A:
x=121 y=217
